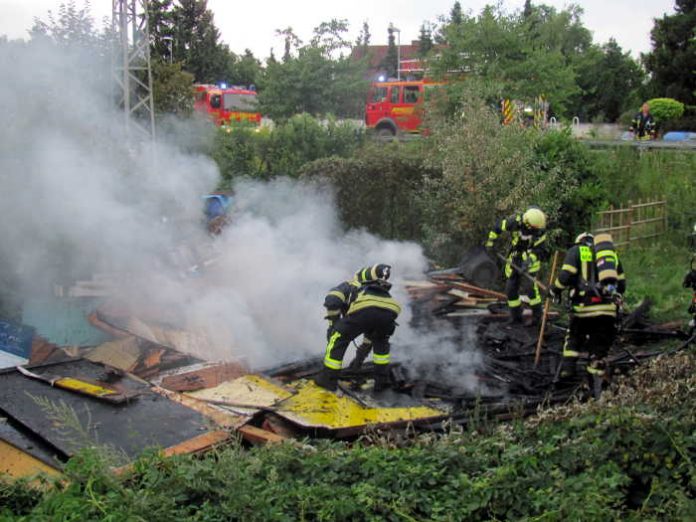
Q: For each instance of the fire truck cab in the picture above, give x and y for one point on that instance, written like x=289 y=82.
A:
x=396 y=106
x=224 y=105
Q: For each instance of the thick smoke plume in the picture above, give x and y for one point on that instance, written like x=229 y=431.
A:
x=79 y=199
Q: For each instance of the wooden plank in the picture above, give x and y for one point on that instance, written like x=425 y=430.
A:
x=204 y=377
x=259 y=436
x=94 y=320
x=478 y=291
x=198 y=444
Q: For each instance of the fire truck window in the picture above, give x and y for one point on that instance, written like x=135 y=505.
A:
x=239 y=102
x=379 y=95
x=411 y=94
x=215 y=101
x=395 y=94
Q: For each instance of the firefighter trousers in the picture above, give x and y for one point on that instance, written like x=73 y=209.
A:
x=592 y=335
x=517 y=284
x=377 y=324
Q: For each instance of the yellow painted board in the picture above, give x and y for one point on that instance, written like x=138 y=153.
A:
x=84 y=387
x=18 y=464
x=313 y=406
x=249 y=390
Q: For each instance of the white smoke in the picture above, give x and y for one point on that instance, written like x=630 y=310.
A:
x=78 y=199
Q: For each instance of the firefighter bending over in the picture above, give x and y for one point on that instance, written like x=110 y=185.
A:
x=371 y=312
x=336 y=303
x=594 y=276
x=527 y=250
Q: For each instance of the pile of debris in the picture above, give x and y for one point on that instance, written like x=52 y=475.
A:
x=150 y=386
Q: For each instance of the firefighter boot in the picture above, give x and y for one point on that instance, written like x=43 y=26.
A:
x=382 y=379
x=537 y=312
x=515 y=315
x=327 y=379
x=360 y=355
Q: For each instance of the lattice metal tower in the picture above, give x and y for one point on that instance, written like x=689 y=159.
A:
x=131 y=66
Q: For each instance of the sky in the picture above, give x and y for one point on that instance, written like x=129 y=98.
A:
x=252 y=24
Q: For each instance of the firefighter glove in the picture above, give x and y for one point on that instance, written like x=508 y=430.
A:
x=555 y=294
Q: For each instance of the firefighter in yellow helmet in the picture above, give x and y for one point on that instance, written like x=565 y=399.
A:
x=527 y=249
x=596 y=282
x=371 y=312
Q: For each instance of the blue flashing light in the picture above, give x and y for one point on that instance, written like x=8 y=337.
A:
x=223 y=85
x=381 y=78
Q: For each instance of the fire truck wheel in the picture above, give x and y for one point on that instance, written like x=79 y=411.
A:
x=385 y=133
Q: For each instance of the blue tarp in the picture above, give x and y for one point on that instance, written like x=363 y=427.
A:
x=16 y=339
x=679 y=136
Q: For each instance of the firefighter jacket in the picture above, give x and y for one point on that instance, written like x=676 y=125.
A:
x=527 y=244
x=340 y=298
x=593 y=276
x=643 y=125
x=373 y=296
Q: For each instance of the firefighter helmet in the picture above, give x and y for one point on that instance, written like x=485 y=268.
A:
x=535 y=218
x=585 y=238
x=373 y=273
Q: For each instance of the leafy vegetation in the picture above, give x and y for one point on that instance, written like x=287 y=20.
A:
x=672 y=61
x=629 y=456
x=243 y=150
x=540 y=51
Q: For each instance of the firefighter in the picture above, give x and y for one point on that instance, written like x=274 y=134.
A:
x=527 y=250
x=690 y=282
x=336 y=303
x=643 y=124
x=596 y=282
x=372 y=312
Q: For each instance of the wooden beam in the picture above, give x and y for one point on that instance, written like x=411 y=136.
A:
x=259 y=436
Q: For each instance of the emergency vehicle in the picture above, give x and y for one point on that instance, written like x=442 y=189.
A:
x=397 y=106
x=227 y=104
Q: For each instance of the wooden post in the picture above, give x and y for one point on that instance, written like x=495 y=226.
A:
x=547 y=304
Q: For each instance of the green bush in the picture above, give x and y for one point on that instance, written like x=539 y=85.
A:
x=376 y=188
x=489 y=171
x=665 y=109
x=244 y=150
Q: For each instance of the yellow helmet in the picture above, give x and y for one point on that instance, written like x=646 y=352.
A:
x=534 y=218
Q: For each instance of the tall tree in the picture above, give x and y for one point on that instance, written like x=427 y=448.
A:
x=290 y=41
x=391 y=60
x=69 y=26
x=672 y=61
x=161 y=26
x=363 y=40
x=456 y=17
x=197 y=42
x=425 y=40
x=313 y=80
x=527 y=10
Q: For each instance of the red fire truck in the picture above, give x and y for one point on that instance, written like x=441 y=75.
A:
x=396 y=107
x=227 y=104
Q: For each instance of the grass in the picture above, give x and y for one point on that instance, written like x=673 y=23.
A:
x=656 y=271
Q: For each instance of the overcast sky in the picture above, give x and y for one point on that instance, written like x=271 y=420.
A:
x=252 y=24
